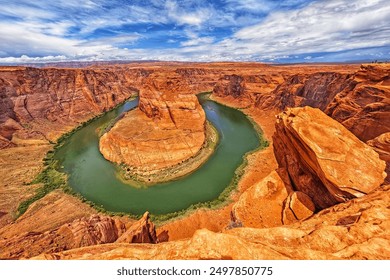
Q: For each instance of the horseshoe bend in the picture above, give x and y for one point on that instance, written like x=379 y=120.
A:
x=318 y=190
x=167 y=129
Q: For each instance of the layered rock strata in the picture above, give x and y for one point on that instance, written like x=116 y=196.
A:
x=381 y=145
x=34 y=100
x=87 y=231
x=321 y=164
x=166 y=130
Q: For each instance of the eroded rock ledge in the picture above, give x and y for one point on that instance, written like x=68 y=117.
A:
x=321 y=164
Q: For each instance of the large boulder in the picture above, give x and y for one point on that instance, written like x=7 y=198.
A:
x=323 y=159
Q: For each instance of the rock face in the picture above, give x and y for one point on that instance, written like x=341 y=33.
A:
x=83 y=232
x=36 y=99
x=364 y=107
x=356 y=229
x=142 y=231
x=359 y=100
x=167 y=129
x=381 y=145
x=93 y=230
x=323 y=159
x=315 y=90
x=298 y=206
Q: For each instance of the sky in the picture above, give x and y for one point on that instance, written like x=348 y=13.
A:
x=194 y=30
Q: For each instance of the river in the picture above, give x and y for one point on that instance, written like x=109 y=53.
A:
x=96 y=179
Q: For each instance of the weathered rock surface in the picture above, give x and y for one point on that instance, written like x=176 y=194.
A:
x=87 y=231
x=297 y=206
x=360 y=100
x=356 y=229
x=34 y=100
x=323 y=159
x=365 y=108
x=142 y=231
x=167 y=129
x=262 y=204
x=83 y=232
x=381 y=145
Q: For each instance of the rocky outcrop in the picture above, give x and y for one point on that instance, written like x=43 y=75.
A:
x=230 y=85
x=323 y=159
x=167 y=129
x=315 y=90
x=33 y=100
x=297 y=206
x=365 y=109
x=142 y=231
x=360 y=100
x=83 y=232
x=262 y=204
x=381 y=145
x=87 y=231
x=356 y=229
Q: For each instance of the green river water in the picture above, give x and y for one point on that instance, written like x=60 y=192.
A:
x=95 y=178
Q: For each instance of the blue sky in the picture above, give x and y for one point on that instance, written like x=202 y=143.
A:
x=189 y=30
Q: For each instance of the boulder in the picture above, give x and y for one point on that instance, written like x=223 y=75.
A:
x=323 y=159
x=262 y=204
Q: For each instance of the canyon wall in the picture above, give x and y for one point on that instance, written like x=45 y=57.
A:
x=84 y=232
x=34 y=100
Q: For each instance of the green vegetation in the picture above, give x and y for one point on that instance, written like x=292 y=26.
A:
x=51 y=180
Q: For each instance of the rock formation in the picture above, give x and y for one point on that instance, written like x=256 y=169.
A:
x=322 y=166
x=167 y=129
x=364 y=108
x=323 y=159
x=92 y=230
x=381 y=145
x=38 y=99
x=356 y=229
x=142 y=231
x=262 y=204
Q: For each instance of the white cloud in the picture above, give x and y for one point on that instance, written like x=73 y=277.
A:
x=325 y=26
x=181 y=16
x=27 y=59
x=198 y=41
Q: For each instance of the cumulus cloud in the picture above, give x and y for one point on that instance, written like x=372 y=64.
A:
x=199 y=30
x=326 y=26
